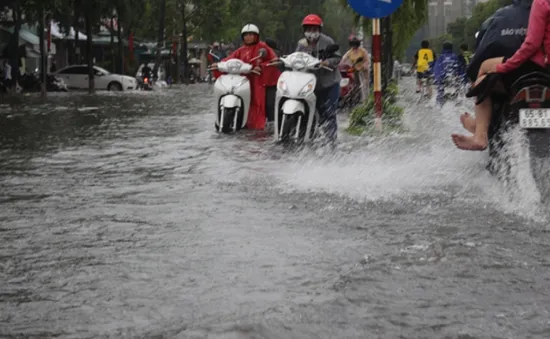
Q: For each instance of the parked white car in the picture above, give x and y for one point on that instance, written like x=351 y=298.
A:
x=76 y=76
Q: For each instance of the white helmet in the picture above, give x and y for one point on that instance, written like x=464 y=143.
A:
x=250 y=28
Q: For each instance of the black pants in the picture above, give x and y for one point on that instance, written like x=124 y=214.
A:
x=270 y=93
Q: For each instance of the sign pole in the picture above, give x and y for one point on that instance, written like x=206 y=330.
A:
x=376 y=9
x=377 y=72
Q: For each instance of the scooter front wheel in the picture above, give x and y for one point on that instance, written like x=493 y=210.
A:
x=293 y=127
x=228 y=119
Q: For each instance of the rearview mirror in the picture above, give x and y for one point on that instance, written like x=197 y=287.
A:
x=271 y=43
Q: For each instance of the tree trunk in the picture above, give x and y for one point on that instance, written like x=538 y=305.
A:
x=89 y=56
x=113 y=57
x=120 y=44
x=176 y=76
x=184 y=47
x=15 y=44
x=43 y=54
x=160 y=36
x=75 y=27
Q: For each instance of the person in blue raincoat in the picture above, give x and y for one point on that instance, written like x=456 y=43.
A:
x=446 y=70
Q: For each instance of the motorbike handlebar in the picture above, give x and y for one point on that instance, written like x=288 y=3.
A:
x=216 y=68
x=278 y=61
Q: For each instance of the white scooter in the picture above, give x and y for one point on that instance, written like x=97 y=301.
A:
x=232 y=93
x=296 y=118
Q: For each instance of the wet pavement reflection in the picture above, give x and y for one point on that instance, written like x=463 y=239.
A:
x=126 y=215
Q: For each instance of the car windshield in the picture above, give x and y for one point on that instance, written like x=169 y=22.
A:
x=102 y=70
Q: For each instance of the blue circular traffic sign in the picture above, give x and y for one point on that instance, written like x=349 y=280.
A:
x=375 y=9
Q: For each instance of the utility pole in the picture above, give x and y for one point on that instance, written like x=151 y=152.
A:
x=43 y=53
x=184 y=46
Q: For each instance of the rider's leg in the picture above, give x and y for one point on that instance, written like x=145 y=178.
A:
x=429 y=83
x=468 y=122
x=362 y=86
x=271 y=92
x=366 y=86
x=479 y=140
x=440 y=94
x=327 y=104
x=418 y=82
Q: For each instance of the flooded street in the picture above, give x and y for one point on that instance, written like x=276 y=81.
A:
x=127 y=216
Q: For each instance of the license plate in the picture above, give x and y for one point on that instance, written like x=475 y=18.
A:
x=534 y=118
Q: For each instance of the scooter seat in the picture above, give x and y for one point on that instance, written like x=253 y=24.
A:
x=530 y=79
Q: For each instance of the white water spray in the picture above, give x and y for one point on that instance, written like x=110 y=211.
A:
x=421 y=161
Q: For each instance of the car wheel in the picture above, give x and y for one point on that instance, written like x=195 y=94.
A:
x=115 y=86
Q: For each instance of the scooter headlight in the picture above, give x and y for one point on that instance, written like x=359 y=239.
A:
x=299 y=64
x=307 y=89
x=234 y=67
x=282 y=87
x=344 y=82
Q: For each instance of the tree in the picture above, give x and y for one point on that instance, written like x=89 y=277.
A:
x=402 y=24
x=463 y=30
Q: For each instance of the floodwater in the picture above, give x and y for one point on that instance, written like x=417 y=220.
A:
x=127 y=216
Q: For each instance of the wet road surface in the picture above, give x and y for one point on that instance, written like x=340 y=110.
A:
x=125 y=215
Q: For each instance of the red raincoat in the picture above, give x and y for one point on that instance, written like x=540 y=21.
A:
x=269 y=77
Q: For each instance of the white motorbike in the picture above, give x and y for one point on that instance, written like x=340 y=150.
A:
x=295 y=114
x=232 y=93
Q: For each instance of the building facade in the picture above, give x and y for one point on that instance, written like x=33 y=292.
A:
x=443 y=12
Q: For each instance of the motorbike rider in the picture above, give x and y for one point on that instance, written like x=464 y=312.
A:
x=145 y=70
x=250 y=35
x=216 y=54
x=423 y=61
x=446 y=70
x=327 y=89
x=511 y=23
x=362 y=68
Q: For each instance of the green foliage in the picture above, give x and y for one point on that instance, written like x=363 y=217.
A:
x=436 y=44
x=406 y=21
x=463 y=30
x=362 y=117
x=392 y=90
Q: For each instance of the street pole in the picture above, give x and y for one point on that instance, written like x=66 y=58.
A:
x=160 y=41
x=377 y=72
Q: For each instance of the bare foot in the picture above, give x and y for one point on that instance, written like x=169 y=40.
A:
x=469 y=143
x=468 y=122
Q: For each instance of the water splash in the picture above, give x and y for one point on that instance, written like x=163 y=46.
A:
x=421 y=161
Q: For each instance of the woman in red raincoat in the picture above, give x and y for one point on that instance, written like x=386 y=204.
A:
x=250 y=49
